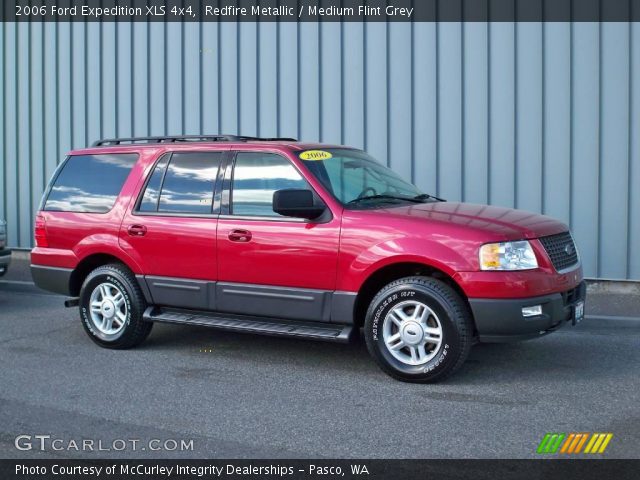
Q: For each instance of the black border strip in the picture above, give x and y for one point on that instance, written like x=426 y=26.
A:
x=196 y=469
x=334 y=10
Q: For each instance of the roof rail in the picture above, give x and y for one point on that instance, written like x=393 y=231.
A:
x=109 y=142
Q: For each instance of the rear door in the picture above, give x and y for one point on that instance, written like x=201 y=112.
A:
x=269 y=264
x=172 y=228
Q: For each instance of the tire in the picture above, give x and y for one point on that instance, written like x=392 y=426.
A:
x=115 y=321
x=418 y=329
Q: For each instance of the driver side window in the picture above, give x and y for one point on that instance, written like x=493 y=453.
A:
x=255 y=177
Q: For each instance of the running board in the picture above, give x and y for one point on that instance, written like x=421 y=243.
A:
x=328 y=332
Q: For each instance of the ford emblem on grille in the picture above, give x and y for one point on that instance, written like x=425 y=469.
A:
x=568 y=249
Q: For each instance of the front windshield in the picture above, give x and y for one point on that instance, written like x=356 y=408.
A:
x=357 y=180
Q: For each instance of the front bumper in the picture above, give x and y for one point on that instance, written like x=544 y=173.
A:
x=501 y=320
x=5 y=260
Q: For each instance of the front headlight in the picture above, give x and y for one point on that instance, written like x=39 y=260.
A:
x=507 y=256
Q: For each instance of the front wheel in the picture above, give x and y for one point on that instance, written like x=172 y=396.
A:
x=418 y=329
x=111 y=308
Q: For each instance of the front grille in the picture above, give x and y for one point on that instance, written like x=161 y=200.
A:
x=561 y=250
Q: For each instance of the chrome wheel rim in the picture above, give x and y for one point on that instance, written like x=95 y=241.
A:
x=108 y=308
x=412 y=333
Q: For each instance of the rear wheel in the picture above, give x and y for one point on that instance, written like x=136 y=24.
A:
x=418 y=329
x=111 y=308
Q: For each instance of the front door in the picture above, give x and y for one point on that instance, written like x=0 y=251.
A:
x=171 y=231
x=268 y=264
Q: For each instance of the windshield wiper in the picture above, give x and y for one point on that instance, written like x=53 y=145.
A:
x=426 y=196
x=385 y=197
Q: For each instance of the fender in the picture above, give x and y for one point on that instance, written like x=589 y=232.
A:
x=105 y=243
x=449 y=258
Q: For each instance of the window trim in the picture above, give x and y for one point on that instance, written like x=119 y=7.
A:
x=227 y=192
x=215 y=208
x=143 y=189
x=259 y=218
x=45 y=197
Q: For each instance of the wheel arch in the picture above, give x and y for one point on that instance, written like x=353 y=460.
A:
x=394 y=271
x=87 y=265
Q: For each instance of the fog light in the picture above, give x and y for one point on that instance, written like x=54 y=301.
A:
x=532 y=311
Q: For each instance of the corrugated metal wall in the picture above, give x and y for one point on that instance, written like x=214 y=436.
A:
x=544 y=117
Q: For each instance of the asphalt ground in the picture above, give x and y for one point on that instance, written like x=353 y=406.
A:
x=242 y=396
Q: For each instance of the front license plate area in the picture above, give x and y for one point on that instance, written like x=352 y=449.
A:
x=578 y=312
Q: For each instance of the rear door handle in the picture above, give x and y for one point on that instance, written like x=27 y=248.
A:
x=239 y=235
x=137 y=230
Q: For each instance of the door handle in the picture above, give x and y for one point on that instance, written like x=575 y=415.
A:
x=137 y=230
x=239 y=235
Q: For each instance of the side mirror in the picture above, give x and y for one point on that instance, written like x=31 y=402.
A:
x=296 y=203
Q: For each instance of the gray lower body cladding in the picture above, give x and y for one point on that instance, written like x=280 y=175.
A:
x=53 y=279
x=246 y=299
x=235 y=298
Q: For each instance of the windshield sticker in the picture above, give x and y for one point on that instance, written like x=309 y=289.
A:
x=315 y=155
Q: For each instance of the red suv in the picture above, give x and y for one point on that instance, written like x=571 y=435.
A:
x=279 y=237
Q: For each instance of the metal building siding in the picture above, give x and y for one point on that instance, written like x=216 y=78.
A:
x=544 y=117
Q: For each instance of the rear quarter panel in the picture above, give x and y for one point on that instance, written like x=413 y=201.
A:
x=73 y=236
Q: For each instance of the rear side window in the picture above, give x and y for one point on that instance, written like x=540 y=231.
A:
x=151 y=195
x=89 y=183
x=182 y=183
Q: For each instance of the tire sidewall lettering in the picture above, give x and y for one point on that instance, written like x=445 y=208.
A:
x=384 y=305
x=84 y=313
x=379 y=310
x=440 y=358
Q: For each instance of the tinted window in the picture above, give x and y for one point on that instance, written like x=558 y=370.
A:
x=352 y=175
x=255 y=177
x=90 y=183
x=149 y=202
x=189 y=182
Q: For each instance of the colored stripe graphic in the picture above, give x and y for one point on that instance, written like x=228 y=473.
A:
x=594 y=437
x=551 y=442
x=598 y=442
x=604 y=445
x=573 y=443
x=567 y=443
x=582 y=442
x=543 y=443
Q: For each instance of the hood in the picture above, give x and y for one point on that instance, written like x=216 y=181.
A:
x=503 y=223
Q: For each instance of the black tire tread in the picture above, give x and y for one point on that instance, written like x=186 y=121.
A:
x=139 y=329
x=460 y=315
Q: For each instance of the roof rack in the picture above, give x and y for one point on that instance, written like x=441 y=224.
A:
x=108 y=142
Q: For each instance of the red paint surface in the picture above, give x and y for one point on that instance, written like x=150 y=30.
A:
x=338 y=255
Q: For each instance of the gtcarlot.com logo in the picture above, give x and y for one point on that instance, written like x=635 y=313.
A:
x=573 y=443
x=46 y=443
